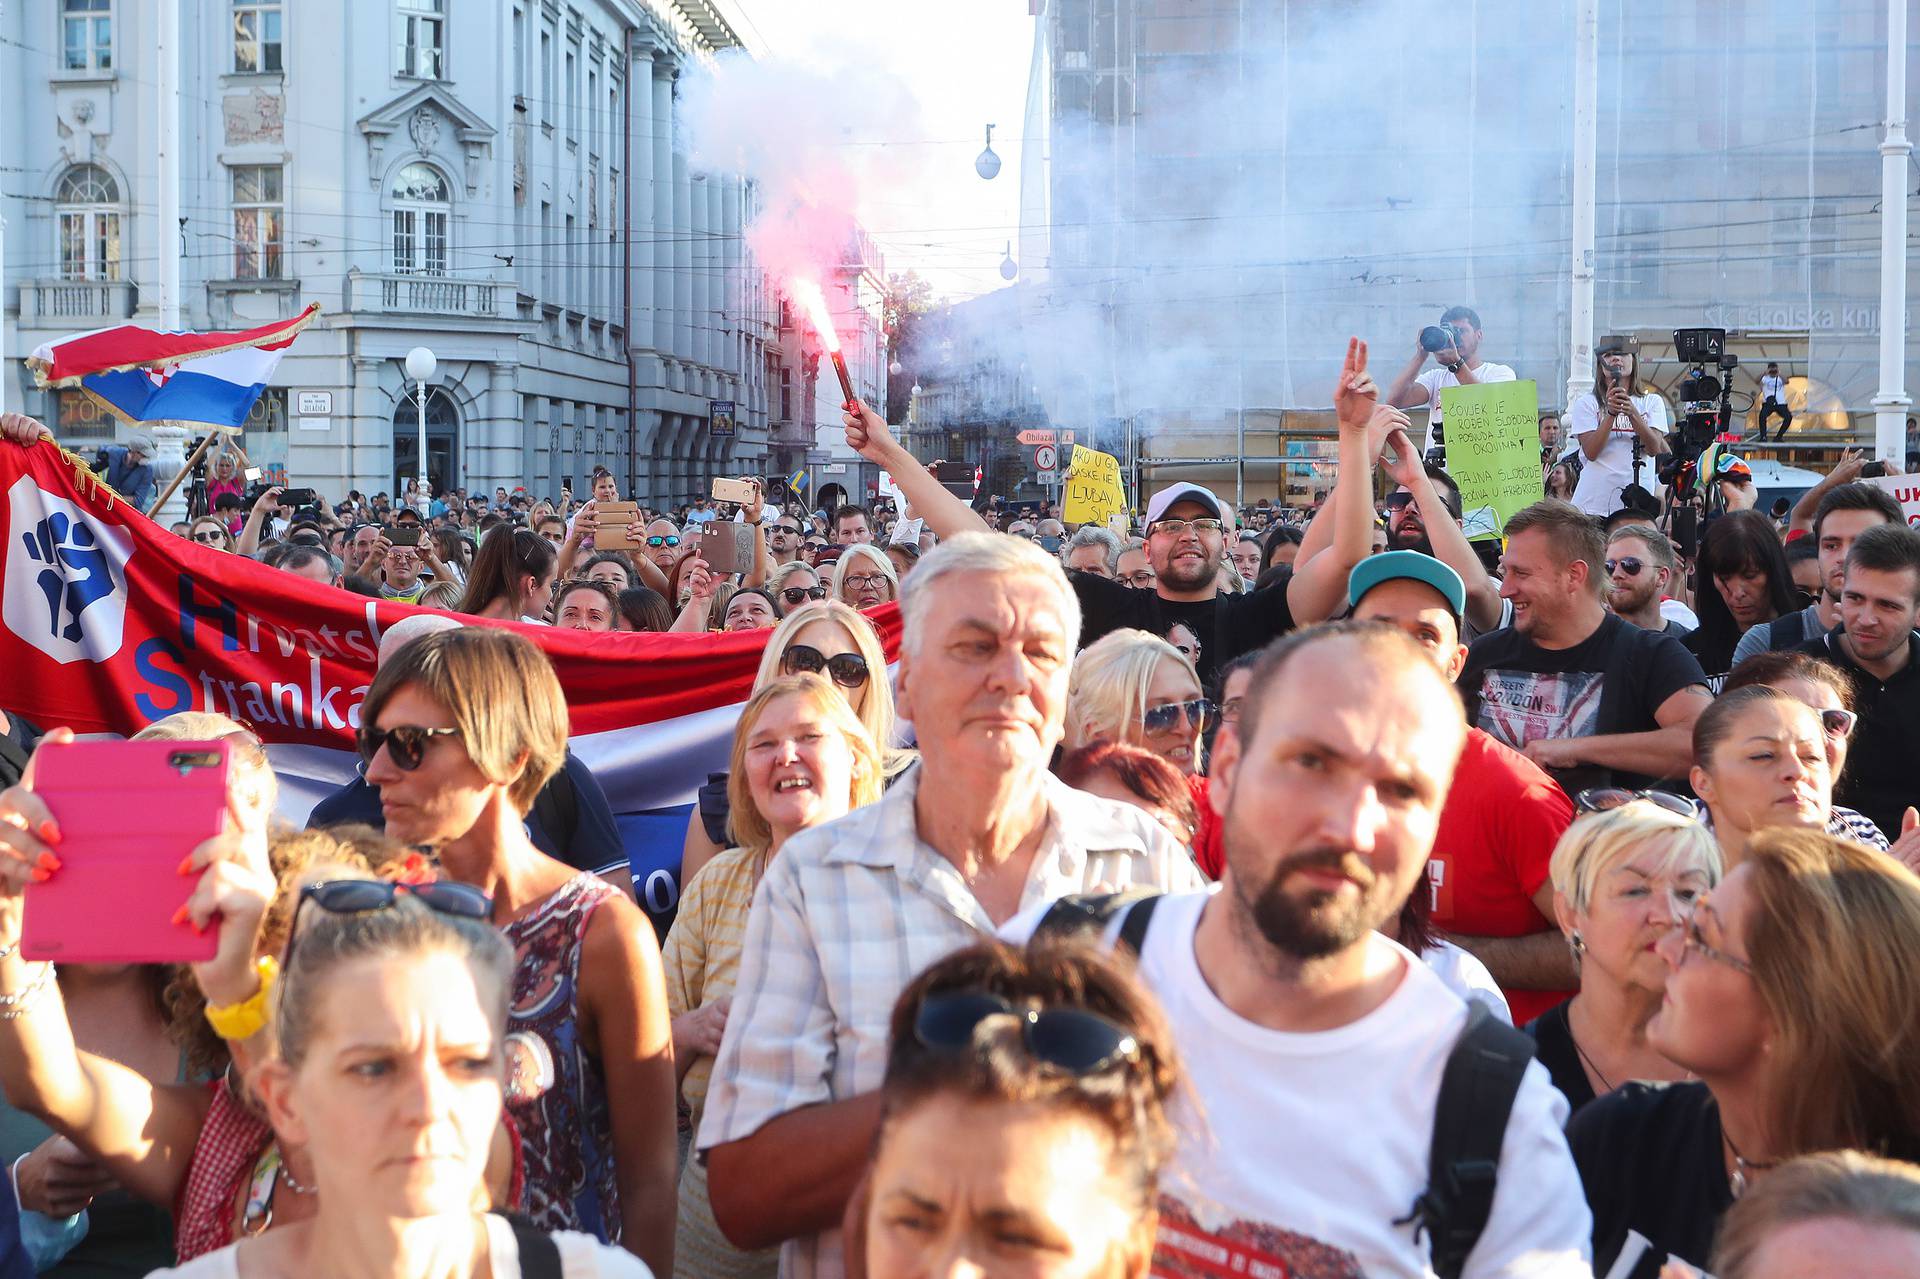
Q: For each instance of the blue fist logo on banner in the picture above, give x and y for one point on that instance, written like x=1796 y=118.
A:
x=65 y=588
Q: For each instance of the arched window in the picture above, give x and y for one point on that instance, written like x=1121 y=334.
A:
x=87 y=204
x=421 y=204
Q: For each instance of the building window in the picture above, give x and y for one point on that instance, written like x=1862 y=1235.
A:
x=423 y=38
x=259 y=214
x=87 y=206
x=420 y=210
x=256 y=36
x=86 y=34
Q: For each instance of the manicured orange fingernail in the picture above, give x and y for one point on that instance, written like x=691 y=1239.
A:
x=199 y=930
x=186 y=865
x=41 y=876
x=48 y=862
x=179 y=916
x=49 y=832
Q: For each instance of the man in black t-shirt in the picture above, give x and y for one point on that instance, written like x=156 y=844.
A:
x=1187 y=528
x=1591 y=699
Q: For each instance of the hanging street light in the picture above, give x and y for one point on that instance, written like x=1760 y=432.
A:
x=1008 y=267
x=987 y=163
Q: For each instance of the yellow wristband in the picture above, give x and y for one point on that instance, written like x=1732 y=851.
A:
x=247 y=1018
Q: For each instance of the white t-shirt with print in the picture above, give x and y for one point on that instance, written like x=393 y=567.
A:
x=1773 y=387
x=1602 y=478
x=1435 y=381
x=1297 y=1152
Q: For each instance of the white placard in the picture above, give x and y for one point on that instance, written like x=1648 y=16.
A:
x=315 y=423
x=314 y=403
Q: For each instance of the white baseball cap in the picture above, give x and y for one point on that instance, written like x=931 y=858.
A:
x=1183 y=492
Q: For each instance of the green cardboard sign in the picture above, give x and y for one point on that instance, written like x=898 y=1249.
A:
x=1492 y=432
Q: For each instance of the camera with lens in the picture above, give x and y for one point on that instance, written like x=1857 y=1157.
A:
x=1705 y=404
x=1436 y=338
x=100 y=462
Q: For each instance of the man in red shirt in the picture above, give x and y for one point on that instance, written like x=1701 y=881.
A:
x=1503 y=816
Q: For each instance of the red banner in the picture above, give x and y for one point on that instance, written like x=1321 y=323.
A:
x=111 y=622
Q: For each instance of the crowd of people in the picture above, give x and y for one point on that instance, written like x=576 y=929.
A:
x=1239 y=897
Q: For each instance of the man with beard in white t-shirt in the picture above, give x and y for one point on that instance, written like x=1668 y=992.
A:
x=1314 y=1045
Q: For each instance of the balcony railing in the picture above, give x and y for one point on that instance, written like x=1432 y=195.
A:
x=430 y=295
x=48 y=302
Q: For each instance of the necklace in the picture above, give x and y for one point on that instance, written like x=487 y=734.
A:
x=1606 y=1085
x=1737 y=1181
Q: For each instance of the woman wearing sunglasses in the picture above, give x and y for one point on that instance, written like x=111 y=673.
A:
x=460 y=731
x=1622 y=879
x=391 y=1021
x=863 y=577
x=512 y=578
x=1821 y=685
x=1790 y=997
x=800 y=757
x=794 y=585
x=1762 y=760
x=1023 y=1127
x=826 y=639
x=1134 y=687
x=211 y=531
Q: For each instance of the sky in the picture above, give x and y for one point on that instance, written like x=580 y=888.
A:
x=965 y=62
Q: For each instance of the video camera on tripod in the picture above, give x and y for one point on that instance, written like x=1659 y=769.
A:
x=1706 y=405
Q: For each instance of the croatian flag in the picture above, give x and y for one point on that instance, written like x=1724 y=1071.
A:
x=108 y=622
x=139 y=375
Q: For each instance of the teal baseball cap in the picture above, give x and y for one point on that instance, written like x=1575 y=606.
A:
x=1389 y=565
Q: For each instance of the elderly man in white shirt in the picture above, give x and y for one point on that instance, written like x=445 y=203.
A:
x=853 y=909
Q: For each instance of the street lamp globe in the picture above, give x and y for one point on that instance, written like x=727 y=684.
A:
x=420 y=364
x=1008 y=267
x=896 y=368
x=987 y=163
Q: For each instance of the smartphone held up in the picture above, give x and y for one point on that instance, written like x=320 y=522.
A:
x=129 y=813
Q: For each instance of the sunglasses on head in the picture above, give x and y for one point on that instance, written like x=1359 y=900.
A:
x=406 y=743
x=1604 y=799
x=1627 y=564
x=1198 y=713
x=658 y=540
x=358 y=896
x=794 y=594
x=1068 y=1039
x=848 y=670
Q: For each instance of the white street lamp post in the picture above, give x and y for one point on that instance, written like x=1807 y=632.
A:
x=420 y=365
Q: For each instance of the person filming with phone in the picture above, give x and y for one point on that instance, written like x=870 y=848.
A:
x=1453 y=345
x=1618 y=428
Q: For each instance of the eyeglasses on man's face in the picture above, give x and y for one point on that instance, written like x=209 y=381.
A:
x=1180 y=528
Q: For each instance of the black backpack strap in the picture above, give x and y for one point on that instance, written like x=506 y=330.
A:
x=1788 y=632
x=1477 y=1090
x=539 y=1254
x=1085 y=916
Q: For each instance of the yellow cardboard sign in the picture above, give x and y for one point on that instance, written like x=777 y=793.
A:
x=1094 y=490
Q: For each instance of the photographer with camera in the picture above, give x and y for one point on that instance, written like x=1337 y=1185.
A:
x=1617 y=427
x=128 y=470
x=1454 y=344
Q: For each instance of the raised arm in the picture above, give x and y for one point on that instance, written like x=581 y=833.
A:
x=249 y=543
x=578 y=532
x=944 y=513
x=697 y=616
x=755 y=511
x=1450 y=545
x=143 y=1133
x=1319 y=585
x=1852 y=462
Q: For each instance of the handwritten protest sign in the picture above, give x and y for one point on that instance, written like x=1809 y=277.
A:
x=1094 y=489
x=1905 y=490
x=1493 y=450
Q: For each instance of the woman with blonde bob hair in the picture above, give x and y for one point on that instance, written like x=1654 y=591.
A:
x=800 y=758
x=863 y=577
x=1134 y=687
x=1837 y=1212
x=1622 y=879
x=1790 y=996
x=460 y=731
x=824 y=638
